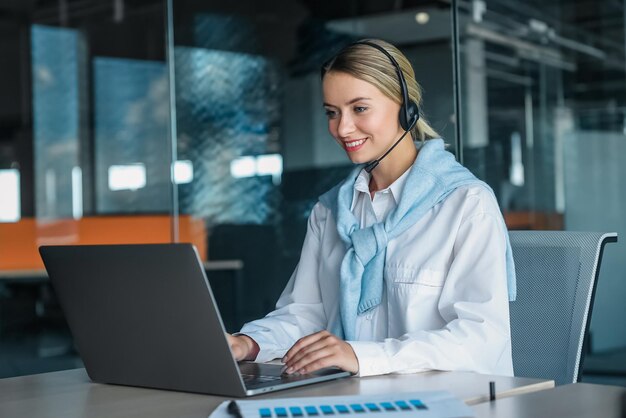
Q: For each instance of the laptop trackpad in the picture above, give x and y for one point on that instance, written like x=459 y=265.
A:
x=261 y=374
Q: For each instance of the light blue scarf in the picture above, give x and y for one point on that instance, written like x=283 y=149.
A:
x=434 y=175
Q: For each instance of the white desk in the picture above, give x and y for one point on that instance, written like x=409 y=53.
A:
x=578 y=400
x=70 y=394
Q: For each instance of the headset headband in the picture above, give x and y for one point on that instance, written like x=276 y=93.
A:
x=404 y=90
x=410 y=109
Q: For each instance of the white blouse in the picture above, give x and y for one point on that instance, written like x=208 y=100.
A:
x=445 y=301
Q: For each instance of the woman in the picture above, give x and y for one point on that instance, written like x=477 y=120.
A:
x=406 y=264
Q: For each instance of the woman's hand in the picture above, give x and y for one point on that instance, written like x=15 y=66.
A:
x=242 y=347
x=320 y=350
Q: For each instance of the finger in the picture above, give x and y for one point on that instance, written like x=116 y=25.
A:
x=319 y=344
x=303 y=342
x=316 y=360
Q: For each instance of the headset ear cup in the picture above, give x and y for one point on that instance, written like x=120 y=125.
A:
x=409 y=114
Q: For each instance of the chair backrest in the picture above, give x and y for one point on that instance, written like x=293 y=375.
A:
x=556 y=279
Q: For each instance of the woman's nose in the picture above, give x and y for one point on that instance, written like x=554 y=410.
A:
x=345 y=126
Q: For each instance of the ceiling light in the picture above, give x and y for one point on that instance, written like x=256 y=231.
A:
x=422 y=18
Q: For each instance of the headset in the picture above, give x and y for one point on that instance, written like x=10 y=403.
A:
x=409 y=111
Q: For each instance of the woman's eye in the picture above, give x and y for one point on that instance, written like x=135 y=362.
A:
x=330 y=114
x=360 y=109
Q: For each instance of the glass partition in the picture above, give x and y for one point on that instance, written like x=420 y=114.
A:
x=84 y=153
x=251 y=124
x=543 y=98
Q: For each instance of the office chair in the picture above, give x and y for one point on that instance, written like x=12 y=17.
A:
x=557 y=273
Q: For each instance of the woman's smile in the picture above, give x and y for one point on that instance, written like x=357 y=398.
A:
x=354 y=145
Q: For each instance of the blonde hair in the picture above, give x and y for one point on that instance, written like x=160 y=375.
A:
x=371 y=65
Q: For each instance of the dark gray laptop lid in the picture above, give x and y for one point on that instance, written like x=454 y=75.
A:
x=141 y=316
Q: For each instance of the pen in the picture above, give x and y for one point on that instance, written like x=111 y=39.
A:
x=234 y=410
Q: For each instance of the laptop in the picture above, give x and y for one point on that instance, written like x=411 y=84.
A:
x=145 y=315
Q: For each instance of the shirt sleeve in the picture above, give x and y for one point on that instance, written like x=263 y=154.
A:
x=299 y=310
x=474 y=304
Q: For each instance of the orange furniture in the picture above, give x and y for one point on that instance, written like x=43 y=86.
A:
x=19 y=241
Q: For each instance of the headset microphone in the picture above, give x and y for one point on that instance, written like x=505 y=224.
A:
x=373 y=164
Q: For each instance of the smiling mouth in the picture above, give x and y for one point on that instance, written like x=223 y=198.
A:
x=351 y=145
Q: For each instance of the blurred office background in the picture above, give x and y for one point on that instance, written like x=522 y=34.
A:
x=127 y=121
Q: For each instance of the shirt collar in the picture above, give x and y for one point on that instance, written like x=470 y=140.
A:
x=361 y=185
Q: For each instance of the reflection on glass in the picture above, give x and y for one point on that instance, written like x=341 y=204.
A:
x=10 y=191
x=262 y=165
x=131 y=126
x=58 y=71
x=516 y=169
x=270 y=165
x=228 y=111
x=243 y=167
x=127 y=177
x=183 y=172
x=77 y=192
